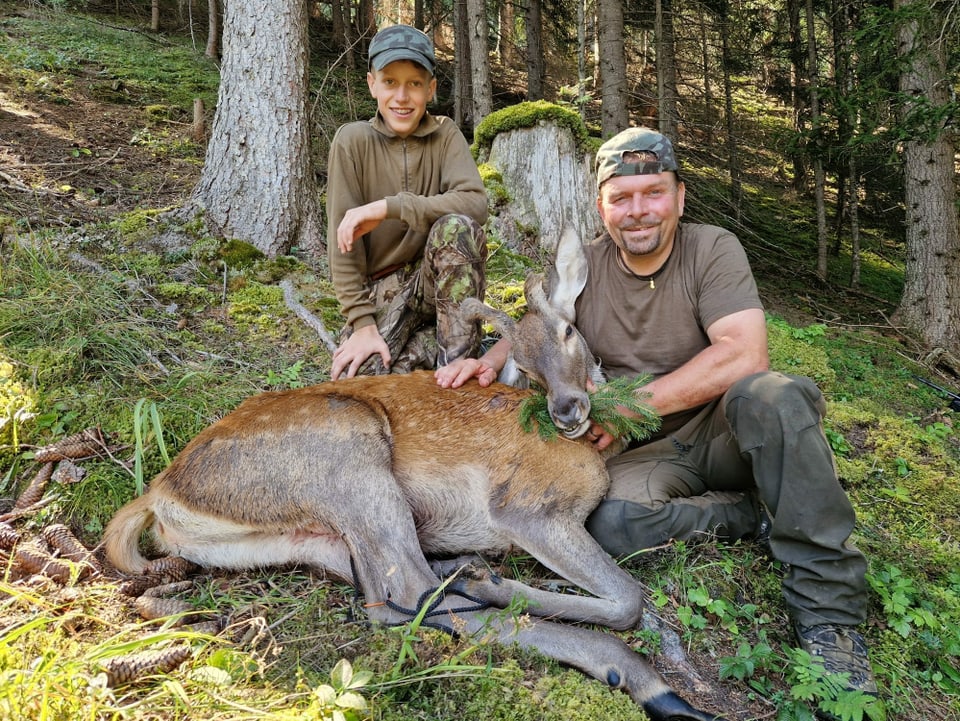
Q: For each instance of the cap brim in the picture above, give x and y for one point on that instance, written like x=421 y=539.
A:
x=381 y=60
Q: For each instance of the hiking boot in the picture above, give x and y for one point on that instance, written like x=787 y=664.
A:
x=842 y=650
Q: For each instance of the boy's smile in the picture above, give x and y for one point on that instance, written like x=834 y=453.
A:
x=402 y=90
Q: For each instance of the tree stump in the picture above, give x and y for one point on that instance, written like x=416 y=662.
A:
x=551 y=184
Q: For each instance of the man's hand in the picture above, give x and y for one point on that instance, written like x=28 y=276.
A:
x=354 y=351
x=598 y=436
x=359 y=221
x=461 y=370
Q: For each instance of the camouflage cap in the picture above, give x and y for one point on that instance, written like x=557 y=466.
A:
x=610 y=157
x=401 y=42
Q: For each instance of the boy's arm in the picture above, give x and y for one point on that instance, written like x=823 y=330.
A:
x=348 y=270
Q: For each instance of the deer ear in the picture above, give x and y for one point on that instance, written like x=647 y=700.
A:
x=568 y=275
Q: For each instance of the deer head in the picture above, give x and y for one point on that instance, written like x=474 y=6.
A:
x=546 y=345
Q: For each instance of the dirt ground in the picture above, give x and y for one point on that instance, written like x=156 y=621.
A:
x=76 y=153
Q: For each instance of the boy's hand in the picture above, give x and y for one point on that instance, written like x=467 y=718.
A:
x=455 y=374
x=355 y=350
x=358 y=222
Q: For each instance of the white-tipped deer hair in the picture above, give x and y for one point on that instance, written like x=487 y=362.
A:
x=366 y=477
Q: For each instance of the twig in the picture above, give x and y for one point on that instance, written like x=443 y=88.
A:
x=21 y=512
x=306 y=316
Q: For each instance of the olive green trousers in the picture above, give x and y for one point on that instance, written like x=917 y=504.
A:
x=762 y=442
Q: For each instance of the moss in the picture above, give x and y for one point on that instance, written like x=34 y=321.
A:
x=796 y=351
x=136 y=222
x=528 y=115
x=497 y=193
x=239 y=253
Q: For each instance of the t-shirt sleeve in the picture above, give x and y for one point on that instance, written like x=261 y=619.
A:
x=726 y=282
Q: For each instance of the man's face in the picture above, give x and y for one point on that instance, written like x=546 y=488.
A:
x=402 y=90
x=641 y=212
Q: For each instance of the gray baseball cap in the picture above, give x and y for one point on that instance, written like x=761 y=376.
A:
x=401 y=42
x=610 y=157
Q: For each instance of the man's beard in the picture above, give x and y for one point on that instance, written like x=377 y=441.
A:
x=641 y=246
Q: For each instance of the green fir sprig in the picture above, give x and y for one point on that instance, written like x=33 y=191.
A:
x=605 y=405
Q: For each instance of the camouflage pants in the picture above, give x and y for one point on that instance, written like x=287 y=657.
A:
x=418 y=307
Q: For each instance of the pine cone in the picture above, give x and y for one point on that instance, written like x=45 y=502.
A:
x=124 y=669
x=34 y=492
x=168 y=589
x=86 y=443
x=152 y=608
x=62 y=539
x=172 y=568
x=9 y=536
x=32 y=558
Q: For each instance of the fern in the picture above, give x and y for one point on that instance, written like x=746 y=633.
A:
x=605 y=409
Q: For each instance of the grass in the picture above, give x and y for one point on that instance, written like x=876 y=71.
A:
x=100 y=328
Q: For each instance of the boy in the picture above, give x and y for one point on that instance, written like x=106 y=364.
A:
x=405 y=209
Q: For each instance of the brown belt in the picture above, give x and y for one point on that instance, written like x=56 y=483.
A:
x=384 y=272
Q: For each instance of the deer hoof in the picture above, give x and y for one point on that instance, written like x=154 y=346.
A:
x=670 y=707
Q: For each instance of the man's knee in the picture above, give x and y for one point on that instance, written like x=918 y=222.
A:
x=787 y=401
x=623 y=527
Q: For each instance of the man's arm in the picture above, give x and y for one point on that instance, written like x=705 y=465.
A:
x=738 y=348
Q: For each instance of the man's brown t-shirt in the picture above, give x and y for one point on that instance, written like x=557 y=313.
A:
x=633 y=328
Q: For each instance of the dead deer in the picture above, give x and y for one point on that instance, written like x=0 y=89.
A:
x=364 y=478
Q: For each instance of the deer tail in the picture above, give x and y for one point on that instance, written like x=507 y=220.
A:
x=121 y=539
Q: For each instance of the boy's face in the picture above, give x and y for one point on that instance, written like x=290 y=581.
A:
x=402 y=90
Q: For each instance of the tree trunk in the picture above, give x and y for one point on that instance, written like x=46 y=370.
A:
x=155 y=16
x=614 y=115
x=797 y=64
x=819 y=180
x=462 y=90
x=507 y=40
x=479 y=60
x=930 y=305
x=257 y=182
x=668 y=101
x=213 y=29
x=536 y=68
x=733 y=161
x=707 y=82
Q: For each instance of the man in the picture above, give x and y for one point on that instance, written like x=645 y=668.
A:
x=741 y=452
x=405 y=209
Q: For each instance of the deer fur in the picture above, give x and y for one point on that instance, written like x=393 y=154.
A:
x=366 y=477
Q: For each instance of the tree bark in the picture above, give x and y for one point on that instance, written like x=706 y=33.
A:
x=479 y=60
x=463 y=88
x=213 y=29
x=819 y=180
x=257 y=182
x=536 y=68
x=930 y=305
x=668 y=101
x=733 y=161
x=614 y=115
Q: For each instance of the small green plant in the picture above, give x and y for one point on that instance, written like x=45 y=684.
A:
x=811 y=683
x=340 y=700
x=146 y=419
x=289 y=377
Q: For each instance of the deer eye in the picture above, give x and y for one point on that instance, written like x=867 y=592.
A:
x=569 y=331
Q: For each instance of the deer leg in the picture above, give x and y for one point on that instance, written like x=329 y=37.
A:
x=564 y=546
x=602 y=656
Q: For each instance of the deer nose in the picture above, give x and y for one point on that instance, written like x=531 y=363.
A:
x=570 y=412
